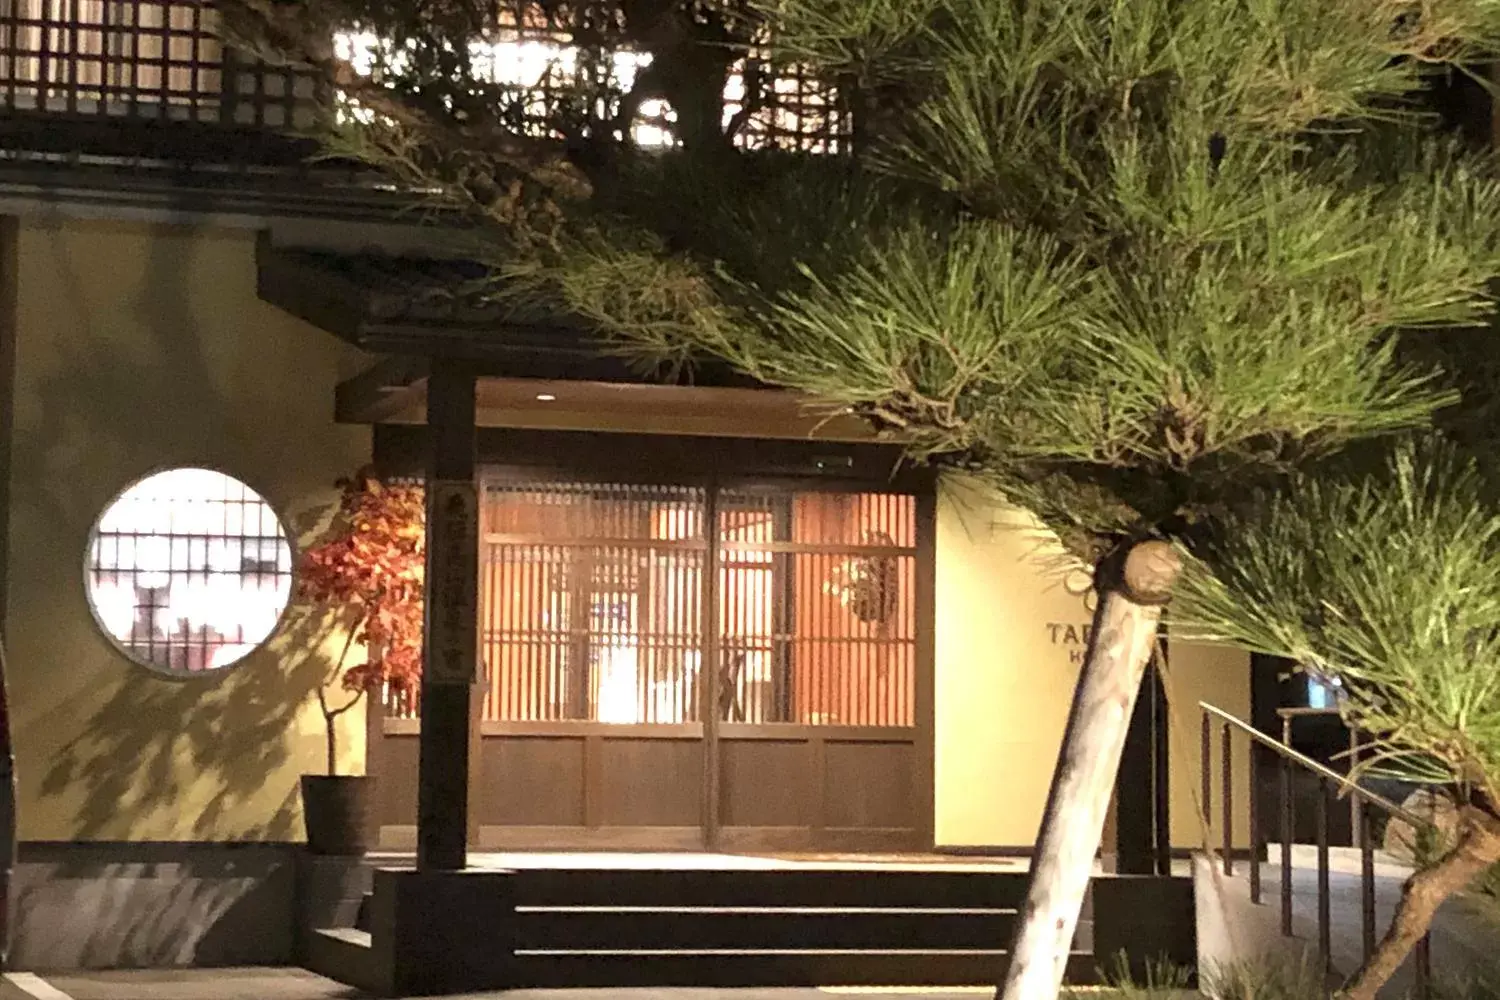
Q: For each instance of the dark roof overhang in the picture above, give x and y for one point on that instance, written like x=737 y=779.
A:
x=415 y=307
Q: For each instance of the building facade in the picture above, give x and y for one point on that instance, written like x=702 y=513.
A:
x=895 y=656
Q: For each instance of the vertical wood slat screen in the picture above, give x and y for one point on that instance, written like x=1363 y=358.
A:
x=818 y=618
x=140 y=59
x=592 y=600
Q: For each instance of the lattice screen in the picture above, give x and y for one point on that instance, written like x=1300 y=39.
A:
x=818 y=620
x=139 y=58
x=163 y=59
x=594 y=600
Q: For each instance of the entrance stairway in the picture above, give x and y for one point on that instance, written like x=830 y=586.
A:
x=791 y=925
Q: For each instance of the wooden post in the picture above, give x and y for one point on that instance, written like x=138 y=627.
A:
x=1161 y=754
x=7 y=814
x=1136 y=802
x=710 y=669
x=1132 y=590
x=450 y=638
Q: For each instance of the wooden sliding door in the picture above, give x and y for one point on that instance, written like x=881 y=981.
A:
x=685 y=666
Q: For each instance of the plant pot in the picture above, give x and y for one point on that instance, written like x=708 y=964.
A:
x=336 y=812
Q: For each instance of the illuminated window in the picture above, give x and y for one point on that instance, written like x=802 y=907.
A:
x=538 y=63
x=189 y=571
x=1324 y=692
x=105 y=55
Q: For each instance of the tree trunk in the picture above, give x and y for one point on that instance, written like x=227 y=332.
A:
x=1476 y=849
x=1120 y=645
x=7 y=814
x=330 y=724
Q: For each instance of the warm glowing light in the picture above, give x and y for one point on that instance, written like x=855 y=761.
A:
x=545 y=397
x=189 y=570
x=619 y=675
x=536 y=66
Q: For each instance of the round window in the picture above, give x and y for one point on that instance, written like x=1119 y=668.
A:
x=189 y=571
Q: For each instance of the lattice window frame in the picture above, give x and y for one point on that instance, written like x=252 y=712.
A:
x=142 y=59
x=115 y=556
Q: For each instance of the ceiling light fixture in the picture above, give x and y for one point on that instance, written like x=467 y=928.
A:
x=545 y=397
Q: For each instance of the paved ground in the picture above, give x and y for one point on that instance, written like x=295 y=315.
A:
x=1460 y=937
x=296 y=984
x=697 y=860
x=1464 y=934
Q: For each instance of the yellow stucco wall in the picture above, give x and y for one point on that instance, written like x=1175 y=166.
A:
x=1009 y=642
x=141 y=347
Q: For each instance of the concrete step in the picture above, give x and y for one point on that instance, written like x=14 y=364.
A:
x=345 y=954
x=362 y=917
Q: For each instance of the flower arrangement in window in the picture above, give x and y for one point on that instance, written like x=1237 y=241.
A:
x=367 y=573
x=866 y=585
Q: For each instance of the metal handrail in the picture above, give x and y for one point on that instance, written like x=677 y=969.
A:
x=1322 y=770
x=1361 y=799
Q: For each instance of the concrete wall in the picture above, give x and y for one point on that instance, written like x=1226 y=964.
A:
x=1010 y=638
x=106 y=906
x=140 y=347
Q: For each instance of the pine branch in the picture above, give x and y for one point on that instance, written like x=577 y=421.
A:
x=479 y=161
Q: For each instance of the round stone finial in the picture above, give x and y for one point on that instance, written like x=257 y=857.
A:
x=1151 y=570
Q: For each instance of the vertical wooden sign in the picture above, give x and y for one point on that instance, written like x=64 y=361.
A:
x=453 y=561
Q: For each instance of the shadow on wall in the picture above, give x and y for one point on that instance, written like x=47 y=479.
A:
x=126 y=754
x=121 y=384
x=153 y=906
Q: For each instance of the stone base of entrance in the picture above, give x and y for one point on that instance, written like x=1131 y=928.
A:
x=441 y=932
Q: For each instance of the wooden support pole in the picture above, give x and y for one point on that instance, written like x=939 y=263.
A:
x=7 y=812
x=710 y=677
x=1161 y=754
x=450 y=638
x=1139 y=809
x=1125 y=624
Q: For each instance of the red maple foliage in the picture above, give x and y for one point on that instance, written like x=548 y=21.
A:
x=367 y=571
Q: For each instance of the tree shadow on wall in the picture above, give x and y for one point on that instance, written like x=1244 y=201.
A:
x=231 y=732
x=106 y=404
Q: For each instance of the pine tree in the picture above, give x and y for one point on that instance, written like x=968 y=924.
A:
x=1387 y=578
x=1124 y=260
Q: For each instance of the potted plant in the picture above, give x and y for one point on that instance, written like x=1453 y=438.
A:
x=365 y=577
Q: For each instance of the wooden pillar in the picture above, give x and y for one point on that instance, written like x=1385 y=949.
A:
x=450 y=639
x=1161 y=755
x=1135 y=787
x=1143 y=830
x=709 y=670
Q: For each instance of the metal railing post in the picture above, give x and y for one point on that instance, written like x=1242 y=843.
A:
x=1423 y=969
x=1354 y=801
x=1228 y=799
x=1366 y=878
x=1325 y=916
x=1207 y=743
x=1287 y=816
x=1255 y=838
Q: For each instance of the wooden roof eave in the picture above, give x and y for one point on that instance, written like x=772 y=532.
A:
x=294 y=282
x=382 y=393
x=319 y=297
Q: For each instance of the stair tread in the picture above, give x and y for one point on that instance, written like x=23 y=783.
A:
x=348 y=935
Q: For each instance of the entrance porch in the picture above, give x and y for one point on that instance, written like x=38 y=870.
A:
x=684 y=643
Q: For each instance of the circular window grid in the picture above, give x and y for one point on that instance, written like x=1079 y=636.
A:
x=189 y=571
